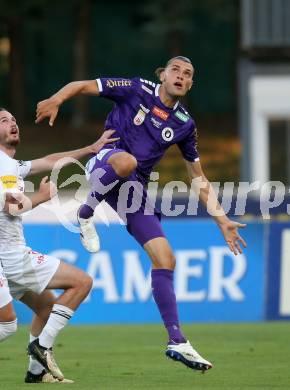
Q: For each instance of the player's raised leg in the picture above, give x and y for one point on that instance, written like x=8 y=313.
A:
x=105 y=171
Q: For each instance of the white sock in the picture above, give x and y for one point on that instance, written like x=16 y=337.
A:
x=34 y=366
x=57 y=320
x=7 y=329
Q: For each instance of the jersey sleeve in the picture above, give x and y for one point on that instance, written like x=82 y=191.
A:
x=188 y=146
x=117 y=89
x=8 y=174
x=12 y=173
x=23 y=168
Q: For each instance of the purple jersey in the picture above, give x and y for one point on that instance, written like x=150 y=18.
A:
x=147 y=127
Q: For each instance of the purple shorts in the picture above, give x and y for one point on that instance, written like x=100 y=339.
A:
x=144 y=223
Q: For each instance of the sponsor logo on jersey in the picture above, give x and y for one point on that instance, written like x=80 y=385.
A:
x=181 y=116
x=9 y=181
x=167 y=134
x=139 y=118
x=155 y=122
x=118 y=83
x=160 y=113
x=147 y=89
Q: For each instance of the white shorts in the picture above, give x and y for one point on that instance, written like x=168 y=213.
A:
x=92 y=161
x=27 y=270
x=5 y=296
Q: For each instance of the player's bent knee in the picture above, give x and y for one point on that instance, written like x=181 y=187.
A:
x=7 y=329
x=125 y=165
x=85 y=284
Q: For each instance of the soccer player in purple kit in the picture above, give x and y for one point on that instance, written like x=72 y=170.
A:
x=148 y=118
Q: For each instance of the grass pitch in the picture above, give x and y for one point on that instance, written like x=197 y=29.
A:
x=129 y=357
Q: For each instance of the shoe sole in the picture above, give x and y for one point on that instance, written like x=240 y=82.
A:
x=88 y=249
x=178 y=357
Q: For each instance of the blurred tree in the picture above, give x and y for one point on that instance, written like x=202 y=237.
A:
x=83 y=11
x=12 y=18
x=168 y=19
x=194 y=29
x=172 y=21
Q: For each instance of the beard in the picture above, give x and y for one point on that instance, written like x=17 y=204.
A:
x=13 y=143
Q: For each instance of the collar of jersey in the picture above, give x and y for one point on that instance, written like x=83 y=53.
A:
x=157 y=95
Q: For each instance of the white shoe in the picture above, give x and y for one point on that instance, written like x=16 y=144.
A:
x=89 y=236
x=185 y=354
x=65 y=380
x=48 y=378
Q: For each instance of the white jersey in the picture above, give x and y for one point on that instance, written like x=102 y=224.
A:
x=12 y=173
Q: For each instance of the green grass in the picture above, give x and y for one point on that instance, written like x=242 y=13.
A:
x=245 y=356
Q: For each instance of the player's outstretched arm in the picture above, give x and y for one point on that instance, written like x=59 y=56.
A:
x=48 y=162
x=49 y=108
x=207 y=196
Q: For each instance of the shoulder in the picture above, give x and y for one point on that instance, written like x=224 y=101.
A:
x=4 y=156
x=146 y=86
x=23 y=164
x=6 y=161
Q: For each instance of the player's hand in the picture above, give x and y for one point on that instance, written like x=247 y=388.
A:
x=13 y=198
x=47 y=189
x=47 y=109
x=103 y=140
x=230 y=232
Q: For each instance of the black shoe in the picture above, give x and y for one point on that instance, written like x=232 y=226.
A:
x=45 y=357
x=43 y=377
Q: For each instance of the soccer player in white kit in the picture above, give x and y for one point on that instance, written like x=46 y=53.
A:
x=27 y=275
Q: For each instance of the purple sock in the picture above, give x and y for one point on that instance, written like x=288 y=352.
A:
x=98 y=189
x=85 y=211
x=164 y=296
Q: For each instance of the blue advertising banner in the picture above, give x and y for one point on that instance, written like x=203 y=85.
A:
x=278 y=271
x=211 y=283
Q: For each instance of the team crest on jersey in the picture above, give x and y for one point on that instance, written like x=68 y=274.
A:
x=143 y=108
x=167 y=134
x=139 y=118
